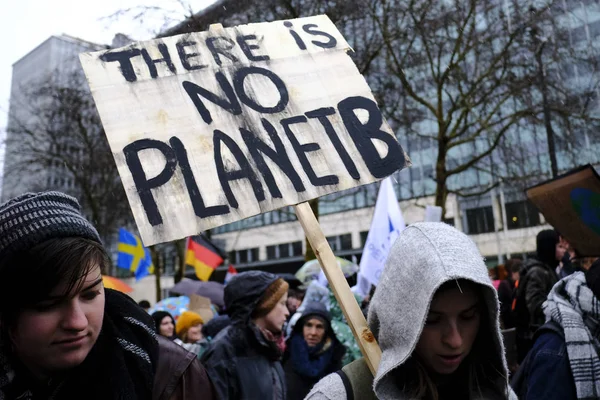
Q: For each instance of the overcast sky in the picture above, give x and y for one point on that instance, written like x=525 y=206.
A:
x=27 y=23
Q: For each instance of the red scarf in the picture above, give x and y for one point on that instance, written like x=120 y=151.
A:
x=275 y=339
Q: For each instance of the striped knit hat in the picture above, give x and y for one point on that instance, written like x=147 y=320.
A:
x=33 y=218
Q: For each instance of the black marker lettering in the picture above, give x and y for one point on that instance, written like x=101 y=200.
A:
x=230 y=104
x=278 y=155
x=247 y=48
x=200 y=208
x=302 y=149
x=238 y=83
x=296 y=37
x=362 y=135
x=215 y=49
x=321 y=114
x=151 y=63
x=184 y=57
x=144 y=185
x=124 y=58
x=244 y=172
x=309 y=28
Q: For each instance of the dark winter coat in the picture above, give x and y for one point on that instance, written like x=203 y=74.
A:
x=548 y=362
x=506 y=291
x=299 y=385
x=239 y=361
x=536 y=284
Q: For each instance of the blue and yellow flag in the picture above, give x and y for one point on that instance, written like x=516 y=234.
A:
x=132 y=255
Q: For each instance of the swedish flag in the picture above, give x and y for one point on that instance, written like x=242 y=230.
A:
x=132 y=255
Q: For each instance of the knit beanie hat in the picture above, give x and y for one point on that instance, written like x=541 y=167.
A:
x=272 y=295
x=33 y=218
x=186 y=320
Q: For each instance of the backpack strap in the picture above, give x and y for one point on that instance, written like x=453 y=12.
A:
x=358 y=380
x=347 y=384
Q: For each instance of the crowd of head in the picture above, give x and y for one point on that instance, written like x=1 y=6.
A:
x=442 y=324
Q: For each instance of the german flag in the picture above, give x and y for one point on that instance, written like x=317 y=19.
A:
x=202 y=256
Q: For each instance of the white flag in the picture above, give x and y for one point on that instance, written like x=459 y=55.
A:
x=386 y=226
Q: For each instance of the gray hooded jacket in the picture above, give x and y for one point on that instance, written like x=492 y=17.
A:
x=425 y=256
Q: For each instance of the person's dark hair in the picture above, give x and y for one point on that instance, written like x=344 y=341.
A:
x=474 y=370
x=514 y=265
x=546 y=241
x=352 y=279
x=296 y=293
x=145 y=304
x=28 y=277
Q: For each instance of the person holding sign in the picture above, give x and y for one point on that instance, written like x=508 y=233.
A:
x=435 y=315
x=243 y=361
x=62 y=334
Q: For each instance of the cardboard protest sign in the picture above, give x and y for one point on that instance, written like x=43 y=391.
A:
x=201 y=306
x=571 y=204
x=212 y=127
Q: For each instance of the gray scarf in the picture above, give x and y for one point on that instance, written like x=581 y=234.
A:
x=574 y=307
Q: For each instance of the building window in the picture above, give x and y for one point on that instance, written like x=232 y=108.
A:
x=521 y=214
x=253 y=254
x=341 y=242
x=245 y=256
x=284 y=250
x=346 y=241
x=297 y=248
x=449 y=221
x=480 y=220
x=363 y=238
x=271 y=252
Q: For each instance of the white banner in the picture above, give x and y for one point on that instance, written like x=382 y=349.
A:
x=386 y=226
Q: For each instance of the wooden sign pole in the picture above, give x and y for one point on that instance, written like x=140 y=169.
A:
x=368 y=345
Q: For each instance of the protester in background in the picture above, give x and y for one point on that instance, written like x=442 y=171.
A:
x=435 y=316
x=564 y=362
x=493 y=274
x=536 y=280
x=189 y=327
x=165 y=324
x=294 y=300
x=507 y=292
x=145 y=304
x=243 y=361
x=567 y=267
x=62 y=334
x=189 y=331
x=501 y=272
x=312 y=352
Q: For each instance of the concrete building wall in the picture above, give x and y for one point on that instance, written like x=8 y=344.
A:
x=509 y=243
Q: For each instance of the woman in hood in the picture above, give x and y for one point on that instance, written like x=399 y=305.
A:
x=435 y=315
x=164 y=324
x=243 y=361
x=62 y=334
x=312 y=352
